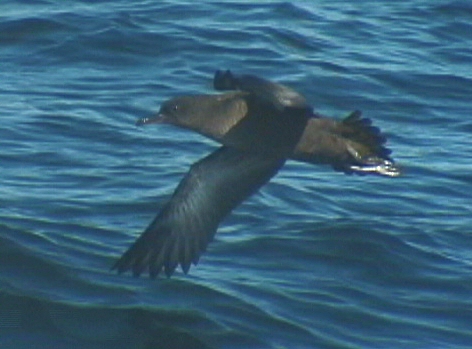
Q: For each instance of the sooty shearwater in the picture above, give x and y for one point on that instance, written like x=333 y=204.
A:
x=260 y=125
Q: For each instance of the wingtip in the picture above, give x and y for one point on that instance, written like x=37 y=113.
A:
x=224 y=80
x=185 y=268
x=117 y=267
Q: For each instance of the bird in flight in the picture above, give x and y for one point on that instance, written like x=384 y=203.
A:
x=260 y=124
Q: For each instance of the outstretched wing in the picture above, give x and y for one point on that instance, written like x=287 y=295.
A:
x=187 y=223
x=280 y=96
x=352 y=145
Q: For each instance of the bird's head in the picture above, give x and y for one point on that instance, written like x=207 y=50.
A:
x=180 y=111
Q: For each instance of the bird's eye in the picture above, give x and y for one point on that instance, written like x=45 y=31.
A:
x=174 y=107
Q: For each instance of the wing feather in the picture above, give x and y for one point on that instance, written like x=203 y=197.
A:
x=211 y=189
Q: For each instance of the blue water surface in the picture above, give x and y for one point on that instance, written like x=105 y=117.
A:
x=316 y=259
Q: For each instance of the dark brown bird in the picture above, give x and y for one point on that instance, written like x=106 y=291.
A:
x=261 y=124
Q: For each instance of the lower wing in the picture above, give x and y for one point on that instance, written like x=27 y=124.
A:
x=186 y=224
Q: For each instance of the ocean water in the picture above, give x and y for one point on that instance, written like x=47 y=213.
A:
x=316 y=259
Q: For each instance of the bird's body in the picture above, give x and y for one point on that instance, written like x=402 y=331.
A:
x=261 y=124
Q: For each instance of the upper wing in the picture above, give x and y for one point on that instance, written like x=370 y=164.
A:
x=187 y=223
x=352 y=145
x=282 y=97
